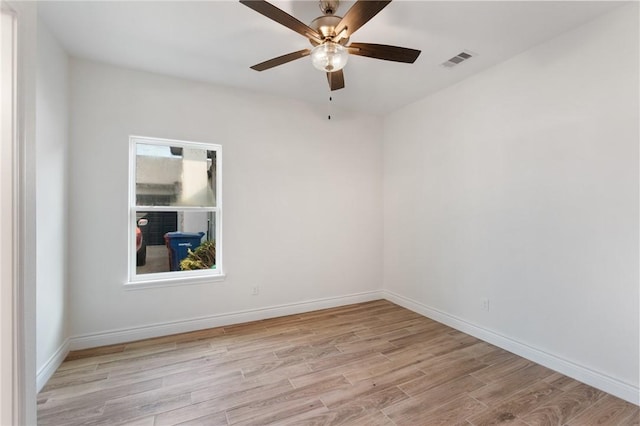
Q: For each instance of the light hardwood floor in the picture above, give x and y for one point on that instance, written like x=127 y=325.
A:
x=367 y=364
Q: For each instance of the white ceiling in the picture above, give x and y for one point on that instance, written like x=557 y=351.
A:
x=217 y=41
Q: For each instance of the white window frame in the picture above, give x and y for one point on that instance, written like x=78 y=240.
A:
x=163 y=279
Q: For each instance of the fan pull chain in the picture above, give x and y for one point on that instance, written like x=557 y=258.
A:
x=329 y=108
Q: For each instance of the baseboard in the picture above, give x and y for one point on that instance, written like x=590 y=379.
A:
x=46 y=371
x=568 y=368
x=182 y=326
x=586 y=375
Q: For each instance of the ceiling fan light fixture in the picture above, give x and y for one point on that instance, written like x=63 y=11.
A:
x=330 y=34
x=329 y=56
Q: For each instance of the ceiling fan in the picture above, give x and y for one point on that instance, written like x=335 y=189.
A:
x=329 y=35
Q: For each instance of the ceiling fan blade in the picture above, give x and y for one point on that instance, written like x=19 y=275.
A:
x=382 y=51
x=359 y=14
x=281 y=60
x=336 y=80
x=282 y=17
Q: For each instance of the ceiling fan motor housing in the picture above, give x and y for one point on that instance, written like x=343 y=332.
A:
x=326 y=27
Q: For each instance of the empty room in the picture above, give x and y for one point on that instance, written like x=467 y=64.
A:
x=320 y=213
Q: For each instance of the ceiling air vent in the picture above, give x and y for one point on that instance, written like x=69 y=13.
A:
x=458 y=59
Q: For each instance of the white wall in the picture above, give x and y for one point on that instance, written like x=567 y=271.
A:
x=51 y=201
x=302 y=197
x=520 y=184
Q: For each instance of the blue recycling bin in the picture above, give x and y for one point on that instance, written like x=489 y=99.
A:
x=179 y=244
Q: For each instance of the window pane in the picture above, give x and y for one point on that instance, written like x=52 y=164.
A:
x=175 y=241
x=175 y=176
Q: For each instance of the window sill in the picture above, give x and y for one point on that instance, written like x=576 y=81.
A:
x=172 y=282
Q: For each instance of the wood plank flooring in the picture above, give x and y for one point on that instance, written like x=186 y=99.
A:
x=367 y=364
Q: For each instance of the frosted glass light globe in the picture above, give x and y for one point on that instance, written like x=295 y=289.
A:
x=329 y=56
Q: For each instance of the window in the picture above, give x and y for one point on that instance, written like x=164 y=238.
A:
x=175 y=212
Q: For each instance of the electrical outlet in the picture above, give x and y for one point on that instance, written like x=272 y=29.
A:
x=484 y=304
x=255 y=290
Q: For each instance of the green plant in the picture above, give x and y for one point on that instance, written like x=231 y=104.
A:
x=203 y=257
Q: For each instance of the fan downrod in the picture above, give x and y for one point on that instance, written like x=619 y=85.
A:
x=329 y=7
